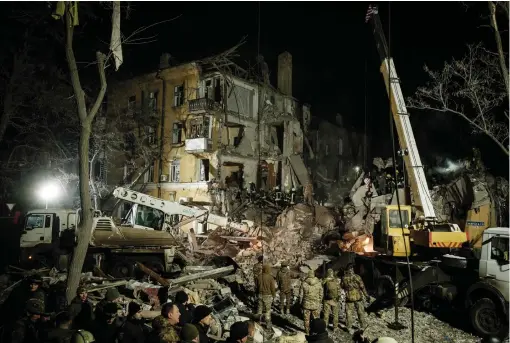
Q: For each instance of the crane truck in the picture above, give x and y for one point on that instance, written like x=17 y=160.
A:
x=478 y=286
x=149 y=234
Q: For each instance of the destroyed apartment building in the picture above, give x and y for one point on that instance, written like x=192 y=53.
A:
x=335 y=155
x=208 y=132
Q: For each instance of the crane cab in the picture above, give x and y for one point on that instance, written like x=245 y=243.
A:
x=393 y=242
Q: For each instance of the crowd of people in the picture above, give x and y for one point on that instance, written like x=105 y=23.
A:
x=82 y=322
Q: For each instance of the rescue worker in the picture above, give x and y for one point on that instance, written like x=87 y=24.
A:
x=310 y=297
x=257 y=270
x=189 y=334
x=308 y=193
x=28 y=328
x=82 y=336
x=238 y=333
x=318 y=332
x=133 y=330
x=203 y=320
x=112 y=296
x=62 y=333
x=285 y=287
x=354 y=290
x=185 y=308
x=266 y=290
x=81 y=310
x=104 y=327
x=170 y=333
x=331 y=298
x=158 y=324
x=36 y=291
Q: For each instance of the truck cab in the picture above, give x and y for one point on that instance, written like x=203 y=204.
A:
x=487 y=299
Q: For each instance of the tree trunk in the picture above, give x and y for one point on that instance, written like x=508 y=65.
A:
x=84 y=232
x=501 y=53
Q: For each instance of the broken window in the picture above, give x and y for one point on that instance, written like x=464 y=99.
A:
x=152 y=103
x=203 y=172
x=177 y=133
x=131 y=105
x=151 y=135
x=179 y=95
x=149 y=174
x=340 y=146
x=200 y=127
x=240 y=100
x=175 y=171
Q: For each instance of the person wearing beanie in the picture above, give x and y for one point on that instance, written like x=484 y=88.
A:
x=318 y=333
x=81 y=310
x=133 y=330
x=186 y=309
x=105 y=328
x=112 y=296
x=238 y=333
x=202 y=319
x=189 y=334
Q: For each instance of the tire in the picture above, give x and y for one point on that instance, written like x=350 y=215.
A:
x=486 y=318
x=156 y=266
x=123 y=269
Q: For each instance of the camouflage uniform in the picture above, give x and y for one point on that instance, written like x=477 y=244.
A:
x=310 y=296
x=331 y=297
x=257 y=270
x=285 y=286
x=354 y=288
x=308 y=193
x=170 y=334
x=266 y=290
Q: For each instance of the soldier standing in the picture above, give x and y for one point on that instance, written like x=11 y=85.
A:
x=285 y=286
x=310 y=296
x=257 y=270
x=308 y=193
x=331 y=297
x=266 y=290
x=354 y=288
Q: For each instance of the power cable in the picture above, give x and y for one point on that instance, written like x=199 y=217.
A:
x=392 y=135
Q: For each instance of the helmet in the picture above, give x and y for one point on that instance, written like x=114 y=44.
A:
x=82 y=336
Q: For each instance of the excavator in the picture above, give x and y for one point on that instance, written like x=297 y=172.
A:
x=149 y=234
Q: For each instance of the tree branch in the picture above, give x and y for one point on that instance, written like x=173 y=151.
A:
x=102 y=91
x=497 y=36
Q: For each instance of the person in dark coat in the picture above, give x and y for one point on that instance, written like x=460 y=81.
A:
x=202 y=319
x=14 y=306
x=186 y=309
x=112 y=296
x=318 y=333
x=62 y=333
x=133 y=329
x=158 y=324
x=104 y=328
x=238 y=333
x=28 y=328
x=81 y=310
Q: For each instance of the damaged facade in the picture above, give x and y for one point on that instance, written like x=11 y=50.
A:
x=335 y=156
x=213 y=129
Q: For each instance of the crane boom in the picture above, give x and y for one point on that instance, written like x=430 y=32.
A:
x=412 y=160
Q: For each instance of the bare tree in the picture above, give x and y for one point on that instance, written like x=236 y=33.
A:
x=472 y=88
x=493 y=5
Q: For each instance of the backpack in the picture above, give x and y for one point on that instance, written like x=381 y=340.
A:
x=331 y=290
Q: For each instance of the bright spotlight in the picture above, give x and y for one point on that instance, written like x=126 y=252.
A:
x=48 y=192
x=356 y=169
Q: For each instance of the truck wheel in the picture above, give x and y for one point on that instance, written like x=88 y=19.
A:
x=123 y=269
x=486 y=318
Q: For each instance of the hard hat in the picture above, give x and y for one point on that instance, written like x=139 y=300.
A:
x=82 y=336
x=385 y=340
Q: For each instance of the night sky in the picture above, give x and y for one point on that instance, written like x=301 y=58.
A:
x=335 y=62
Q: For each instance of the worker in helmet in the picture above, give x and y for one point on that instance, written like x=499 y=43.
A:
x=82 y=336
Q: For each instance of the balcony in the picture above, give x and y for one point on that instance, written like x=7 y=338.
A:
x=201 y=105
x=197 y=145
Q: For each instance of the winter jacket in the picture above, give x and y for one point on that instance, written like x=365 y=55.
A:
x=104 y=332
x=186 y=313
x=26 y=331
x=353 y=286
x=331 y=289
x=311 y=294
x=59 y=335
x=257 y=270
x=132 y=331
x=284 y=280
x=319 y=338
x=202 y=333
x=170 y=334
x=82 y=313
x=265 y=284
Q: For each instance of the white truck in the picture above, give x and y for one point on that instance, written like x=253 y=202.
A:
x=148 y=234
